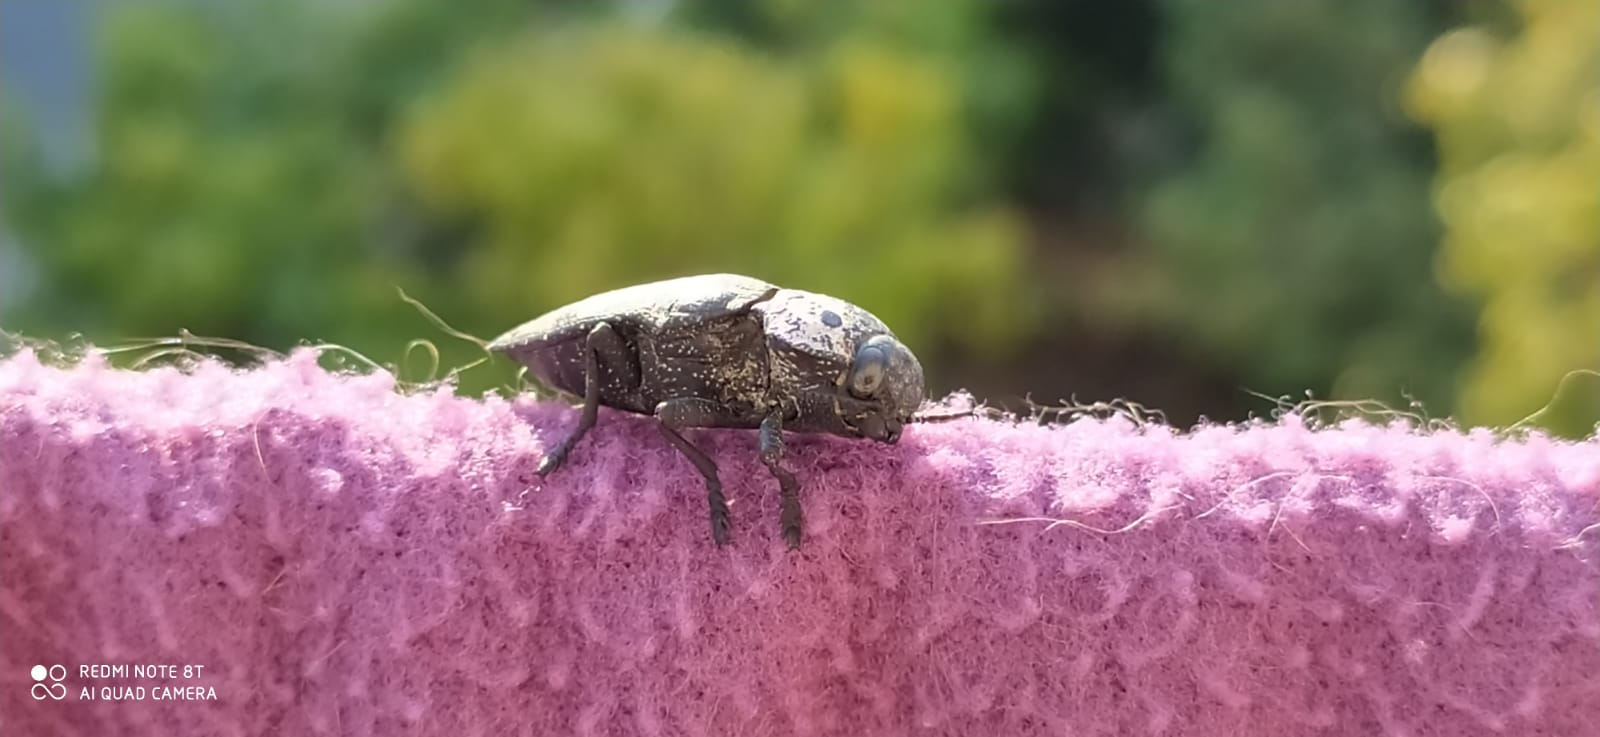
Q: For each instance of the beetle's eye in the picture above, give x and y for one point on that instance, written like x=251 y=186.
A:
x=867 y=373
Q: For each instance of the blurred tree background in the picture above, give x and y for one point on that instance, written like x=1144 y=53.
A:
x=1518 y=119
x=1168 y=202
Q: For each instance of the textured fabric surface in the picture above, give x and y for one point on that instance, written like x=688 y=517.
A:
x=342 y=560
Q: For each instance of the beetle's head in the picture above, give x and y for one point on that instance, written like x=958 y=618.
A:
x=881 y=390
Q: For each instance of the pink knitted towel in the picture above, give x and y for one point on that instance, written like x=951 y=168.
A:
x=287 y=551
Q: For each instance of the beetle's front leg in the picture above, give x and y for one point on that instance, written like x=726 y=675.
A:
x=676 y=414
x=788 y=489
x=601 y=339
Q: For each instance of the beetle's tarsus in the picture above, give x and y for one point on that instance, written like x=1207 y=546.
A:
x=719 y=513
x=790 y=518
x=551 y=462
x=789 y=515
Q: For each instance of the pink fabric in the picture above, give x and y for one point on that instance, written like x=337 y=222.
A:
x=341 y=559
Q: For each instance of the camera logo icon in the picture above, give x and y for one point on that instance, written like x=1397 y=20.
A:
x=47 y=683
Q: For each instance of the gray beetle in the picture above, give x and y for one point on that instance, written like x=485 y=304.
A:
x=728 y=351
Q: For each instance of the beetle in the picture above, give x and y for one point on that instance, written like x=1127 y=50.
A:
x=724 y=351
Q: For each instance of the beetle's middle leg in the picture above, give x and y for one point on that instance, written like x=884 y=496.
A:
x=788 y=489
x=601 y=339
x=676 y=414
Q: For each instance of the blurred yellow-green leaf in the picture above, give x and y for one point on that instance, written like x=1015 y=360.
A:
x=1517 y=115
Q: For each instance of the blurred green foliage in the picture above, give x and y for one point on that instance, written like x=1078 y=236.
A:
x=1518 y=121
x=1234 y=200
x=239 y=190
x=1293 y=244
x=503 y=162
x=608 y=156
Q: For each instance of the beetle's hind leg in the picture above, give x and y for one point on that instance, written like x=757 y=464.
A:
x=788 y=488
x=676 y=414
x=601 y=338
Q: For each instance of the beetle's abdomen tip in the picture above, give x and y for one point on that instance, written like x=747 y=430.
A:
x=508 y=343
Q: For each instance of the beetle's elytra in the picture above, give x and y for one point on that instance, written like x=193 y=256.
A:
x=722 y=350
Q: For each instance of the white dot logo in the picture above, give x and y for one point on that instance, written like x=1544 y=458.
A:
x=54 y=691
